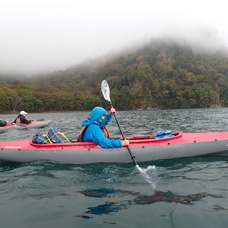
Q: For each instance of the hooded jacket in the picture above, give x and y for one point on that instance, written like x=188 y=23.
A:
x=93 y=132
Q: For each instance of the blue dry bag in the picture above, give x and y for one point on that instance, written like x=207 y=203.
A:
x=41 y=138
x=57 y=137
x=163 y=134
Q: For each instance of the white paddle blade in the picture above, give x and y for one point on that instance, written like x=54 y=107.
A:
x=105 y=90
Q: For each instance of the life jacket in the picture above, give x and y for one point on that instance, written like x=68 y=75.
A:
x=17 y=121
x=106 y=132
x=83 y=130
x=21 y=119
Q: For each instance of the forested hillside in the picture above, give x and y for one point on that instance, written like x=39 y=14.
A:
x=161 y=74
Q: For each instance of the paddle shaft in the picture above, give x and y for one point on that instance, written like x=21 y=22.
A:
x=128 y=148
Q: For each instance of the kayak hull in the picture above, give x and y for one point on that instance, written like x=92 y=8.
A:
x=148 y=149
x=33 y=124
x=2 y=130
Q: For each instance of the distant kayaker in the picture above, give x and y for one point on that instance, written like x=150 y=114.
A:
x=21 y=118
x=94 y=129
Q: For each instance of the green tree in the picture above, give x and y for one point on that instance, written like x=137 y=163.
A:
x=9 y=99
x=29 y=100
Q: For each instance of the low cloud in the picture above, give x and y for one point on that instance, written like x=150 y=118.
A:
x=43 y=36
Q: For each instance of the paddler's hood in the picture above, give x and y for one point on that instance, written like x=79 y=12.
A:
x=95 y=117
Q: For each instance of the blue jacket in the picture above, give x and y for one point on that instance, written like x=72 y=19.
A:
x=94 y=132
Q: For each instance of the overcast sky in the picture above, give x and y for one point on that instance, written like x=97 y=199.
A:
x=48 y=35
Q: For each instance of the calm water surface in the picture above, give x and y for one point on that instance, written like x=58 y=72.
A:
x=189 y=192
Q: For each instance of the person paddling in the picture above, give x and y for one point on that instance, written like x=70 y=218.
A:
x=94 y=129
x=21 y=118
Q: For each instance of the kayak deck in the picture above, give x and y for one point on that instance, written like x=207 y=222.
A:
x=132 y=139
x=135 y=141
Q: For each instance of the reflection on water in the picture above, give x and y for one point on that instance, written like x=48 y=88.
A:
x=139 y=199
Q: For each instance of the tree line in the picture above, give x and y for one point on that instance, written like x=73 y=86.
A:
x=158 y=75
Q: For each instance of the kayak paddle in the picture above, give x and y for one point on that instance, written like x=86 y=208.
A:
x=106 y=94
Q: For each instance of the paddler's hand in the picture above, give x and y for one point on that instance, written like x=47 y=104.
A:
x=125 y=142
x=112 y=111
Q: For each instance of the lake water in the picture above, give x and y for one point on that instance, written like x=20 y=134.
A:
x=188 y=192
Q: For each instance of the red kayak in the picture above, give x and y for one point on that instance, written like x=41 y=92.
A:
x=33 y=124
x=143 y=147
